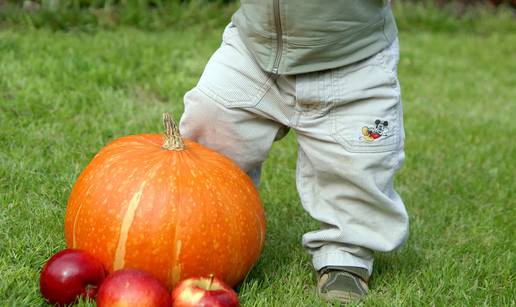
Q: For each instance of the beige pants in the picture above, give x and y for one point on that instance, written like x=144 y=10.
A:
x=349 y=128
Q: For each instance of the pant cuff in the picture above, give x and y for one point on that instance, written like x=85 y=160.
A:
x=341 y=259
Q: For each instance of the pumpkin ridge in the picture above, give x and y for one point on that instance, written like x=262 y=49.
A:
x=188 y=163
x=129 y=216
x=87 y=177
x=74 y=240
x=127 y=221
x=218 y=169
x=176 y=268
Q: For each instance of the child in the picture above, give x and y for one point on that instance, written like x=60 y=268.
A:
x=328 y=70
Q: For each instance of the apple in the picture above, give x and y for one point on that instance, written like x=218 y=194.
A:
x=203 y=292
x=69 y=274
x=132 y=287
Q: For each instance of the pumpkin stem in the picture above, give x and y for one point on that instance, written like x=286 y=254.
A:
x=173 y=140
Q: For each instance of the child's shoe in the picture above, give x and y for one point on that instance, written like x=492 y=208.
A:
x=343 y=284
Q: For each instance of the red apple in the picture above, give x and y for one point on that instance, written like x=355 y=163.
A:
x=131 y=287
x=204 y=292
x=69 y=274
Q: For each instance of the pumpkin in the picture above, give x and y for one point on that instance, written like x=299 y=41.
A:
x=168 y=206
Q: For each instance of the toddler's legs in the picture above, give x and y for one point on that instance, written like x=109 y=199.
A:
x=350 y=134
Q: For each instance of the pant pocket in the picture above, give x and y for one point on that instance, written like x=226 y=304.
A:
x=232 y=77
x=367 y=114
x=368 y=133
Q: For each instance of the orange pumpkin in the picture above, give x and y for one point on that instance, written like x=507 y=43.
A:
x=171 y=207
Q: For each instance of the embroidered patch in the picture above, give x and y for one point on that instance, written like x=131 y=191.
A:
x=372 y=133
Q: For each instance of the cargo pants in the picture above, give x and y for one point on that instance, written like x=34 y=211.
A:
x=349 y=127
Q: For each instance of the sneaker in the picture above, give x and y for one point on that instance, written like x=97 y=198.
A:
x=343 y=284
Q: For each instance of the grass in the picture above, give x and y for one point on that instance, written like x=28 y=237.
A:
x=65 y=94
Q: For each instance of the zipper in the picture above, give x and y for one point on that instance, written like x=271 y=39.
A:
x=279 y=37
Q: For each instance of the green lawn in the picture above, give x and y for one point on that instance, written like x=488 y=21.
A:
x=64 y=95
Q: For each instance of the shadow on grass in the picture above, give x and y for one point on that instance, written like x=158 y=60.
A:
x=283 y=251
x=401 y=264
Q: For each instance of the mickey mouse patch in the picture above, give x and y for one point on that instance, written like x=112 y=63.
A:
x=372 y=133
